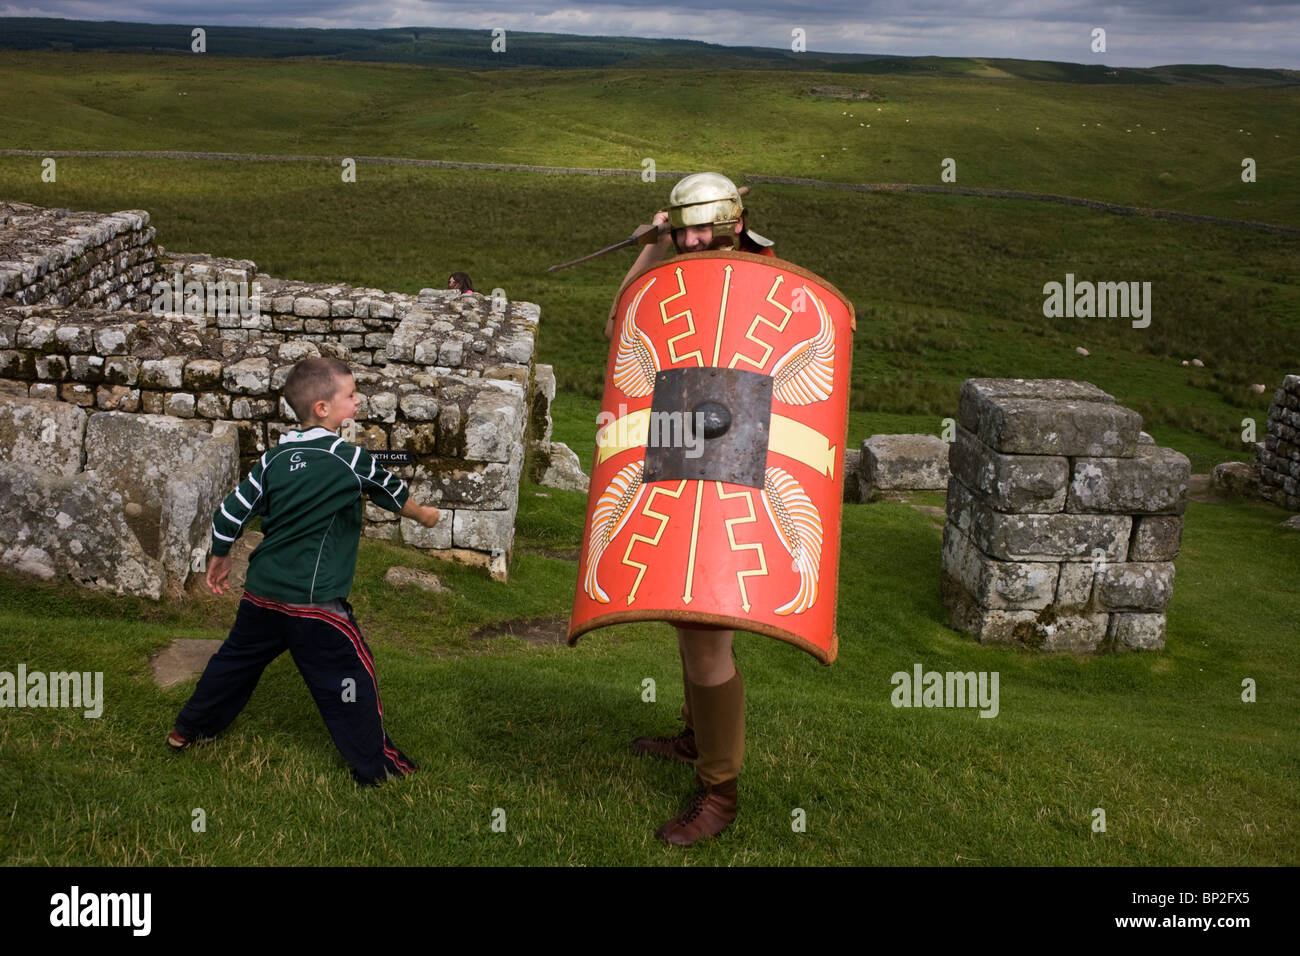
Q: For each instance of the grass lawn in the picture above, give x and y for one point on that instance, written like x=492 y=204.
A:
x=1186 y=773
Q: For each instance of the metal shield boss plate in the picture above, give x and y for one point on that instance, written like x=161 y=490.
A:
x=718 y=474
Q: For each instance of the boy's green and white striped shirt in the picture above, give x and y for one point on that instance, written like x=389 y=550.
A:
x=308 y=490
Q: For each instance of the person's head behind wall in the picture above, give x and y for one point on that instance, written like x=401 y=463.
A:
x=706 y=212
x=460 y=282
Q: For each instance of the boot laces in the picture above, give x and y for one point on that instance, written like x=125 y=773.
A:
x=696 y=805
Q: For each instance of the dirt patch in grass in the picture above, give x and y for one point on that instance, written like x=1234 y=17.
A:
x=534 y=630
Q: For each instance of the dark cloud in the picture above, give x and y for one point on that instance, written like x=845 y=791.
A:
x=1262 y=33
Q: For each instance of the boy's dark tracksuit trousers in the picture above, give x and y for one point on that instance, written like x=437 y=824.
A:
x=333 y=659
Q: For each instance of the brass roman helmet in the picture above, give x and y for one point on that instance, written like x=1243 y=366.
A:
x=703 y=199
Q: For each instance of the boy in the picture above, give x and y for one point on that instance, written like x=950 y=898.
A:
x=308 y=490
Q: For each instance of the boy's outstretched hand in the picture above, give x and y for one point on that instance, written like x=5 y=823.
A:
x=218 y=574
x=427 y=515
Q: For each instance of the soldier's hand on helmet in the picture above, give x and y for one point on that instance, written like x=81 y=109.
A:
x=660 y=220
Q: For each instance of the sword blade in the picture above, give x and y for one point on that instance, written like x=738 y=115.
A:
x=629 y=241
x=642 y=236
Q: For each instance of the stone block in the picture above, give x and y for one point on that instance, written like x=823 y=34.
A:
x=47 y=434
x=487 y=486
x=308 y=307
x=1238 y=479
x=295 y=351
x=420 y=439
x=1030 y=537
x=86 y=368
x=19 y=364
x=1153 y=482
x=38 y=333
x=852 y=475
x=997 y=584
x=1155 y=538
x=384 y=531
x=494 y=426
x=903 y=463
x=77 y=394
x=117 y=398
x=1134 y=586
x=1074 y=586
x=213 y=405
x=180 y=404
x=122 y=370
x=419 y=406
x=286 y=323
x=51 y=367
x=71 y=527
x=163 y=373
x=539 y=416
x=1137 y=632
x=484 y=530
x=1046 y=629
x=1048 y=417
x=253 y=408
x=438 y=537
x=252 y=376
x=1010 y=483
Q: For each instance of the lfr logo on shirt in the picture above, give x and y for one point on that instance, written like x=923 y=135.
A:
x=296 y=461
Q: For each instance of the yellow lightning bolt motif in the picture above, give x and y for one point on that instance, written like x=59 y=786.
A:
x=690 y=323
x=722 y=314
x=758 y=319
x=653 y=542
x=755 y=546
x=689 y=594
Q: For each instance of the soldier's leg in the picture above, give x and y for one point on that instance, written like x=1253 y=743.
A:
x=682 y=746
x=717 y=696
x=256 y=639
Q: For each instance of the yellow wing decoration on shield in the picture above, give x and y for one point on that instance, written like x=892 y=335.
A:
x=806 y=373
x=636 y=362
x=616 y=504
x=799 y=527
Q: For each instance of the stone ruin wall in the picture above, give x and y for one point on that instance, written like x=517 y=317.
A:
x=110 y=500
x=1063 y=520
x=445 y=377
x=1278 y=457
x=81 y=259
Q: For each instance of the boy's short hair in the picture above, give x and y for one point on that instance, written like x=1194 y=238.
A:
x=310 y=381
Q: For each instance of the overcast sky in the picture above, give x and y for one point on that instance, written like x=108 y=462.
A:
x=1262 y=33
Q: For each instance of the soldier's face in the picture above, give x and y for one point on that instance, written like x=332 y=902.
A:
x=699 y=238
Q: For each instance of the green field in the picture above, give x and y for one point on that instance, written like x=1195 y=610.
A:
x=945 y=287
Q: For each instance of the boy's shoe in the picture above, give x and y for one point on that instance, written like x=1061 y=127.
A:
x=681 y=747
x=176 y=743
x=711 y=810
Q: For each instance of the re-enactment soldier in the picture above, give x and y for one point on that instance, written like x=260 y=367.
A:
x=728 y=348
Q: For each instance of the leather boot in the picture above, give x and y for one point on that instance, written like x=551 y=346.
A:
x=680 y=747
x=719 y=714
x=710 y=811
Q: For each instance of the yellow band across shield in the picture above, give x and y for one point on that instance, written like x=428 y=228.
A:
x=786 y=437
